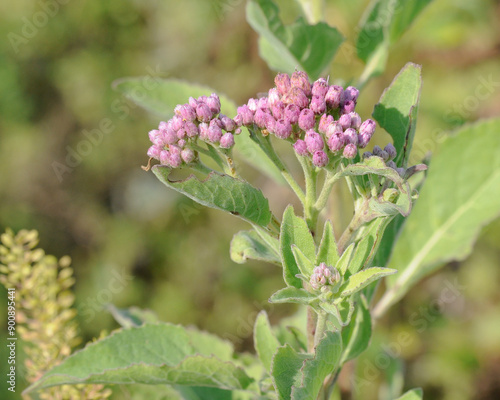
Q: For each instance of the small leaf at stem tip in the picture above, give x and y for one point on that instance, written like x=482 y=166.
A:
x=293 y=295
x=327 y=251
x=249 y=245
x=345 y=259
x=414 y=394
x=305 y=265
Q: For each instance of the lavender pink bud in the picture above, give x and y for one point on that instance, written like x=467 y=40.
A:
x=169 y=136
x=203 y=112
x=181 y=133
x=324 y=275
x=227 y=141
x=345 y=121
x=176 y=123
x=307 y=119
x=214 y=133
x=351 y=94
x=300 y=80
x=278 y=110
x=391 y=164
x=318 y=104
x=191 y=129
x=260 y=118
x=355 y=120
x=181 y=143
x=203 y=127
x=300 y=147
x=253 y=104
x=282 y=129
x=292 y=113
x=154 y=152
x=283 y=83
x=351 y=136
x=391 y=151
x=334 y=96
x=155 y=137
x=366 y=131
x=246 y=114
x=348 y=106
x=377 y=151
x=320 y=88
x=270 y=123
x=187 y=155
x=314 y=141
x=175 y=160
x=165 y=157
x=336 y=141
x=324 y=122
x=350 y=151
x=320 y=159
x=227 y=123
x=263 y=103
x=334 y=128
x=367 y=154
x=296 y=96
x=213 y=102
x=186 y=112
x=193 y=102
x=273 y=97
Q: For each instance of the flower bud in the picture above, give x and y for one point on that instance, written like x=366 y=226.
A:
x=176 y=123
x=367 y=154
x=348 y=107
x=300 y=147
x=154 y=152
x=278 y=110
x=351 y=94
x=214 y=133
x=377 y=151
x=191 y=129
x=175 y=160
x=186 y=112
x=350 y=151
x=391 y=164
x=253 y=104
x=273 y=97
x=187 y=155
x=401 y=172
x=156 y=137
x=336 y=141
x=270 y=123
x=282 y=129
x=203 y=127
x=193 y=103
x=334 y=96
x=300 y=80
x=227 y=123
x=213 y=102
x=320 y=88
x=391 y=151
x=320 y=159
x=366 y=131
x=292 y=113
x=203 y=112
x=181 y=143
x=263 y=103
x=324 y=122
x=181 y=133
x=318 y=104
x=296 y=96
x=260 y=118
x=283 y=83
x=351 y=136
x=324 y=275
x=355 y=120
x=313 y=140
x=165 y=157
x=246 y=114
x=334 y=128
x=227 y=141
x=345 y=121
x=307 y=119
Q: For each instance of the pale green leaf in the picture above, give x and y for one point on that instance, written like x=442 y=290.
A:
x=345 y=259
x=294 y=231
x=292 y=295
x=310 y=48
x=161 y=96
x=265 y=342
x=150 y=354
x=327 y=251
x=363 y=278
x=461 y=194
x=305 y=265
x=249 y=245
x=397 y=108
x=314 y=371
x=133 y=316
x=285 y=370
x=414 y=394
x=222 y=192
x=356 y=336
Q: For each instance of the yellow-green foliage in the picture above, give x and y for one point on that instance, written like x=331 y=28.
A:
x=45 y=319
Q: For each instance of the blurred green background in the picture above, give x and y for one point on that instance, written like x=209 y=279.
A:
x=119 y=224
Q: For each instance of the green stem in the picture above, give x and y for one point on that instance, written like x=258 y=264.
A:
x=311 y=328
x=330 y=180
x=310 y=212
x=346 y=237
x=200 y=167
x=320 y=327
x=314 y=10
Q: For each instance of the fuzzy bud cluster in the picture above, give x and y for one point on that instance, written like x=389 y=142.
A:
x=323 y=276
x=198 y=119
x=318 y=119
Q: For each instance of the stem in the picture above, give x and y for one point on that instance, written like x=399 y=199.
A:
x=329 y=384
x=314 y=10
x=311 y=328
x=310 y=212
x=353 y=226
x=320 y=327
x=331 y=178
x=200 y=167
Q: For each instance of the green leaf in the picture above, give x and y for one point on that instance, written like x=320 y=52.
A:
x=163 y=95
x=133 y=316
x=265 y=342
x=356 y=336
x=327 y=251
x=345 y=259
x=414 y=394
x=362 y=279
x=373 y=165
x=341 y=311
x=461 y=194
x=310 y=48
x=305 y=265
x=292 y=295
x=249 y=245
x=285 y=370
x=222 y=192
x=314 y=371
x=150 y=354
x=382 y=25
x=397 y=108
x=294 y=231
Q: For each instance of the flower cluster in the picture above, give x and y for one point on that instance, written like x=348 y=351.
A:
x=45 y=317
x=319 y=119
x=324 y=275
x=174 y=141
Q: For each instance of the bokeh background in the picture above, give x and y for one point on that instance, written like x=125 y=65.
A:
x=119 y=224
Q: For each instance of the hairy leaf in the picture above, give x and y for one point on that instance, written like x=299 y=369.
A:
x=265 y=342
x=327 y=251
x=356 y=336
x=363 y=278
x=292 y=295
x=250 y=245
